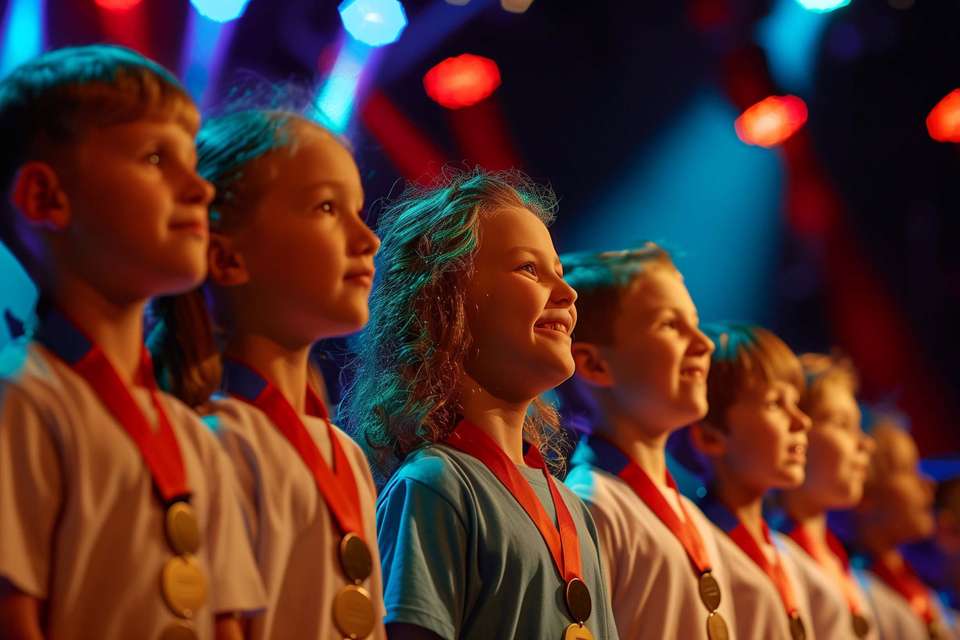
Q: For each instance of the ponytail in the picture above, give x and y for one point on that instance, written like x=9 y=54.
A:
x=186 y=360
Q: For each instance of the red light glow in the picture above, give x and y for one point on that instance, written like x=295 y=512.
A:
x=943 y=123
x=462 y=81
x=117 y=5
x=771 y=121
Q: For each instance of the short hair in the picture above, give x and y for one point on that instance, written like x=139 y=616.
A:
x=54 y=98
x=823 y=370
x=600 y=280
x=745 y=356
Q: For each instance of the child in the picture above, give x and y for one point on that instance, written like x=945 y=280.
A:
x=756 y=437
x=838 y=454
x=291 y=261
x=642 y=367
x=896 y=509
x=469 y=323
x=119 y=509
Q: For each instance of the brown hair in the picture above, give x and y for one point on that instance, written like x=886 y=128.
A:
x=821 y=371
x=745 y=356
x=600 y=280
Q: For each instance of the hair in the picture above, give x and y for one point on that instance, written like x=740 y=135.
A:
x=184 y=340
x=822 y=371
x=745 y=357
x=55 y=98
x=410 y=356
x=600 y=280
x=884 y=428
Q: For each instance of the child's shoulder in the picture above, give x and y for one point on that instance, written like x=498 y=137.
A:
x=43 y=383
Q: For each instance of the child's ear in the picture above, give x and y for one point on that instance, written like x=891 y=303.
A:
x=708 y=439
x=39 y=197
x=592 y=367
x=226 y=266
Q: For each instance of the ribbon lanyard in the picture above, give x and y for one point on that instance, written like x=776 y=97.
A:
x=563 y=544
x=804 y=538
x=158 y=447
x=904 y=581
x=727 y=521
x=337 y=485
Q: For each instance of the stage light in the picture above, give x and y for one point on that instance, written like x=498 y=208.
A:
x=462 y=81
x=220 y=10
x=943 y=122
x=373 y=22
x=771 y=121
x=337 y=95
x=516 y=6
x=23 y=33
x=117 y=5
x=822 y=6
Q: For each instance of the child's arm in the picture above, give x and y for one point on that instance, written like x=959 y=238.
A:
x=19 y=615
x=409 y=632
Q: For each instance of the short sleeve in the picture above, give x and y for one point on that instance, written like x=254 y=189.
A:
x=30 y=493
x=608 y=544
x=423 y=550
x=237 y=586
x=243 y=460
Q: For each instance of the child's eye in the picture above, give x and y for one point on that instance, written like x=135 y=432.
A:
x=670 y=324
x=153 y=158
x=529 y=267
x=326 y=206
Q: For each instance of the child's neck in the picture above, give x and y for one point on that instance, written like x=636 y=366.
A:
x=499 y=419
x=807 y=513
x=745 y=502
x=115 y=326
x=644 y=447
x=284 y=368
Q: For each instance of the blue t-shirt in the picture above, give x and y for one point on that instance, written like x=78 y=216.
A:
x=463 y=559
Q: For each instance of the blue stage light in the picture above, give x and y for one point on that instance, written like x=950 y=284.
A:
x=23 y=33
x=822 y=6
x=220 y=10
x=373 y=22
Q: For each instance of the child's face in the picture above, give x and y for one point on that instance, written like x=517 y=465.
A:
x=659 y=359
x=838 y=452
x=766 y=437
x=138 y=210
x=519 y=309
x=901 y=497
x=307 y=252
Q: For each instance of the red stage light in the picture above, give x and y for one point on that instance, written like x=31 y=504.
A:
x=462 y=81
x=771 y=121
x=117 y=5
x=943 y=123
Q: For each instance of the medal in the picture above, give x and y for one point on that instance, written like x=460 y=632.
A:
x=717 y=627
x=577 y=632
x=178 y=631
x=797 y=631
x=183 y=532
x=183 y=586
x=353 y=612
x=861 y=627
x=355 y=558
x=579 y=603
x=709 y=591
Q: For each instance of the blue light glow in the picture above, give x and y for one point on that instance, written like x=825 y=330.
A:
x=220 y=10
x=373 y=22
x=204 y=48
x=822 y=6
x=790 y=37
x=338 y=94
x=23 y=33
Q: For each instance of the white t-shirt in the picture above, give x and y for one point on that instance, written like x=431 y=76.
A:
x=829 y=610
x=82 y=527
x=653 y=584
x=895 y=617
x=759 y=611
x=294 y=535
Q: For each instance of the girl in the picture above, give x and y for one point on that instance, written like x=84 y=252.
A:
x=470 y=322
x=756 y=438
x=838 y=454
x=642 y=365
x=290 y=262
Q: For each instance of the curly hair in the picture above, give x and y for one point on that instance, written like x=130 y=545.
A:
x=409 y=359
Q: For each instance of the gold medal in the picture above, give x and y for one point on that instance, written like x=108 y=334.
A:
x=709 y=591
x=183 y=532
x=353 y=612
x=861 y=627
x=577 y=632
x=183 y=585
x=717 y=627
x=578 y=600
x=797 y=631
x=178 y=631
x=355 y=558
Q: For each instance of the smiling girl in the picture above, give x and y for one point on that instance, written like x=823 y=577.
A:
x=756 y=438
x=470 y=322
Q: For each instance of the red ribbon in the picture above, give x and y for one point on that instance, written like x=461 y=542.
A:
x=802 y=536
x=904 y=581
x=774 y=569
